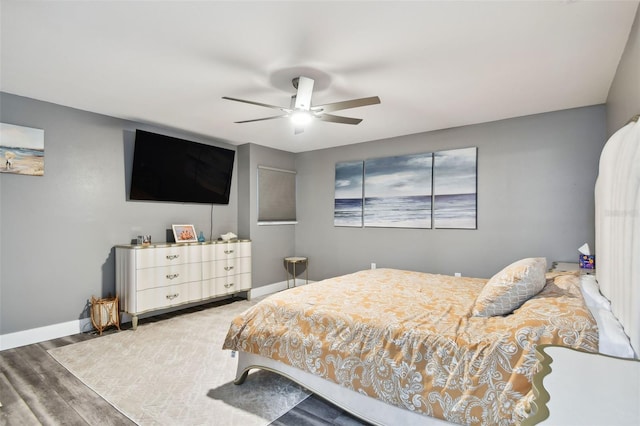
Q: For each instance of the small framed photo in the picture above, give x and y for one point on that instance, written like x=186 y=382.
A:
x=184 y=233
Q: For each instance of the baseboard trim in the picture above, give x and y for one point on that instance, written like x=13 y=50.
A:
x=41 y=334
x=265 y=290
x=55 y=331
x=274 y=288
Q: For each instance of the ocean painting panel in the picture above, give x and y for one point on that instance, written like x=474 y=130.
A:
x=398 y=191
x=455 y=189
x=21 y=150
x=348 y=194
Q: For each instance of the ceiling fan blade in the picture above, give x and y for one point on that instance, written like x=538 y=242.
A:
x=338 y=119
x=287 y=110
x=261 y=119
x=353 y=103
x=298 y=129
x=303 y=96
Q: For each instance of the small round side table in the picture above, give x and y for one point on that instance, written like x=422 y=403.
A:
x=293 y=261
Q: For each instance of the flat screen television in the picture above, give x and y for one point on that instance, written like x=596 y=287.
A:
x=177 y=170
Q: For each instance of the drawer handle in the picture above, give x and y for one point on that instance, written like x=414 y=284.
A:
x=172 y=256
x=172 y=276
x=228 y=251
x=172 y=296
x=228 y=268
x=228 y=285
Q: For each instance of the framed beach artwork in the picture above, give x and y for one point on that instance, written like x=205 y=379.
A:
x=348 y=194
x=21 y=150
x=397 y=191
x=184 y=233
x=455 y=189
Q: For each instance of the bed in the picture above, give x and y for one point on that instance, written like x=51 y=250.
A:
x=405 y=347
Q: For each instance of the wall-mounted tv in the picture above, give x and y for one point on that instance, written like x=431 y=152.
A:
x=172 y=169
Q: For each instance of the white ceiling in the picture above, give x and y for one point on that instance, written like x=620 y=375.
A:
x=434 y=64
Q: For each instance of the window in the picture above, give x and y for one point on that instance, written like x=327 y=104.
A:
x=276 y=196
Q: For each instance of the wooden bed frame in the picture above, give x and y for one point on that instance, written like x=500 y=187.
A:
x=617 y=243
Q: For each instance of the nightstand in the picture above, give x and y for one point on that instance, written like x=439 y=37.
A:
x=293 y=261
x=573 y=387
x=570 y=267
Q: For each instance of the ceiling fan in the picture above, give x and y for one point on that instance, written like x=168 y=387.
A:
x=301 y=112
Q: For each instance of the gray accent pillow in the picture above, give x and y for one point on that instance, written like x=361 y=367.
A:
x=511 y=287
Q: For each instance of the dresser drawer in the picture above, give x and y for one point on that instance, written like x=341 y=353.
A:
x=244 y=249
x=244 y=281
x=231 y=284
x=165 y=256
x=164 y=297
x=220 y=251
x=168 y=275
x=223 y=268
x=226 y=250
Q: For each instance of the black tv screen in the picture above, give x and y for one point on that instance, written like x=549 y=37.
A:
x=172 y=169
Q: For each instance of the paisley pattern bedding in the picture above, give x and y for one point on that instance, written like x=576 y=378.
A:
x=409 y=339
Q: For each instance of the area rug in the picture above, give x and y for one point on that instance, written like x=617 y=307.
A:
x=174 y=372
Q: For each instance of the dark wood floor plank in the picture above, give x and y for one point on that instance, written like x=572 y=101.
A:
x=52 y=393
x=14 y=410
x=47 y=406
x=67 y=340
x=315 y=411
x=88 y=404
x=318 y=407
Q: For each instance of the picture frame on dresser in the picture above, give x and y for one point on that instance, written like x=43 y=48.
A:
x=184 y=233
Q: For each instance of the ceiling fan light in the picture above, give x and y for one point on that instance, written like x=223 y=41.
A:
x=301 y=118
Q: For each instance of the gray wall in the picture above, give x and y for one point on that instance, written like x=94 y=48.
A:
x=624 y=95
x=270 y=243
x=536 y=176
x=58 y=230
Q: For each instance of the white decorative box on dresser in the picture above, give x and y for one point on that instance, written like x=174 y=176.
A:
x=159 y=276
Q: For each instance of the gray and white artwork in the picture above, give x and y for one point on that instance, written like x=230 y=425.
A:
x=455 y=188
x=428 y=190
x=348 y=194
x=397 y=191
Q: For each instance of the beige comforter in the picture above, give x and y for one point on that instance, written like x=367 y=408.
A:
x=408 y=338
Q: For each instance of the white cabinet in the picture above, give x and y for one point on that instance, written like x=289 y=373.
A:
x=165 y=275
x=572 y=387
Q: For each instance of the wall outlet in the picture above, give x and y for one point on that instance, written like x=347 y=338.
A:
x=457 y=274
x=373 y=265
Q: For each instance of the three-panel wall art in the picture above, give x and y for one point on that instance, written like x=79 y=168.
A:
x=429 y=190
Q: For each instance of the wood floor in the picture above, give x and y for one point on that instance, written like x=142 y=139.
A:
x=36 y=390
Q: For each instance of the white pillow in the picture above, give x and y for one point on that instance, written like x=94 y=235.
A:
x=591 y=293
x=511 y=287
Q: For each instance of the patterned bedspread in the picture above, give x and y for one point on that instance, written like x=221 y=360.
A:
x=408 y=338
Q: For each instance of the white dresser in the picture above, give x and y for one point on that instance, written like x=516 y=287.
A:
x=159 y=276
